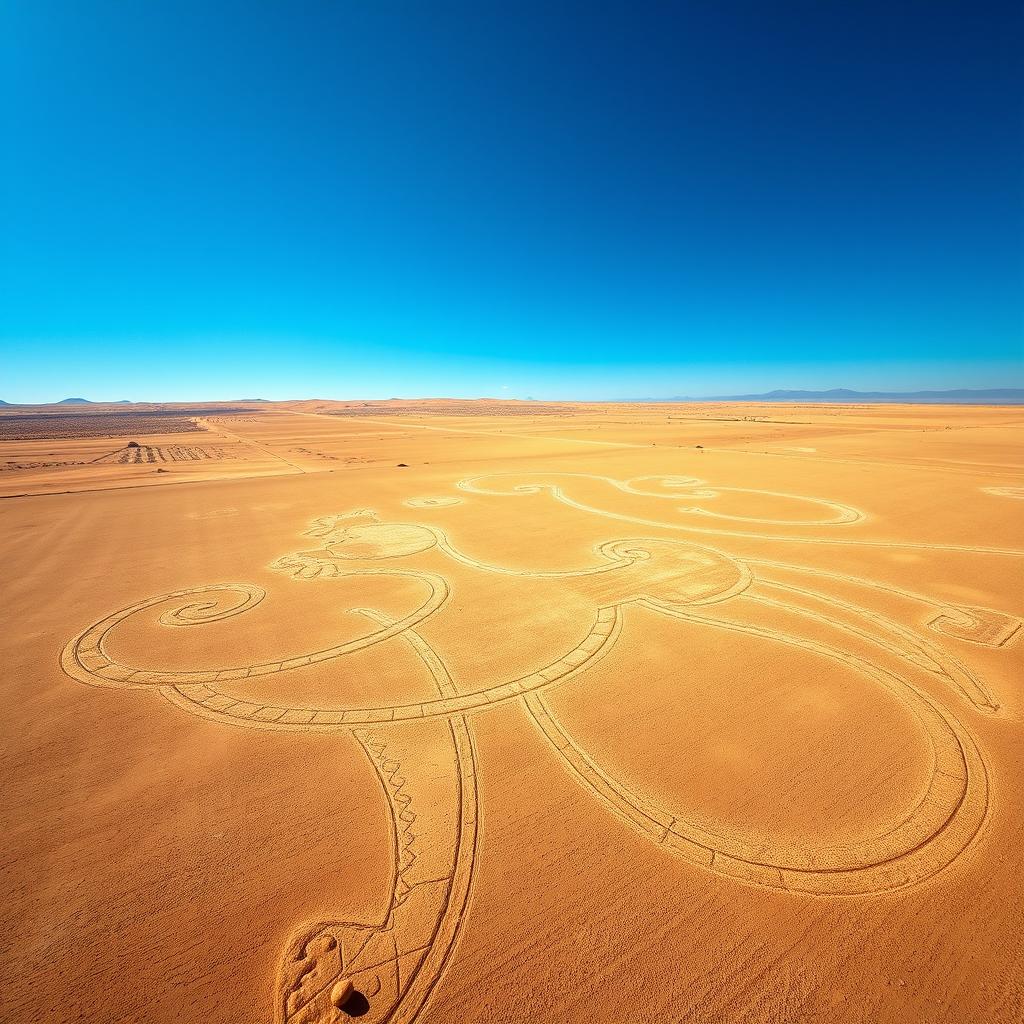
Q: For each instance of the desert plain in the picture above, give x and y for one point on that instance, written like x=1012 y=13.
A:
x=497 y=711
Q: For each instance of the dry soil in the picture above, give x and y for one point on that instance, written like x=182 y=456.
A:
x=496 y=712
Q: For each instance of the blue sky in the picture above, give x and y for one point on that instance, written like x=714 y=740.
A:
x=220 y=200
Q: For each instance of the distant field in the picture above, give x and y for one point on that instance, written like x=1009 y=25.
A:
x=456 y=409
x=30 y=426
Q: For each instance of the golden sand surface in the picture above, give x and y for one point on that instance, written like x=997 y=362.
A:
x=500 y=711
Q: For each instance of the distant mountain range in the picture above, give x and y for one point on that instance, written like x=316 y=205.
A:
x=959 y=396
x=89 y=401
x=72 y=401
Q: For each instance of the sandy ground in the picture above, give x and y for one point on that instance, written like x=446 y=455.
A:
x=499 y=713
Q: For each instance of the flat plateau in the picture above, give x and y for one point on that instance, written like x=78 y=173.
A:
x=498 y=711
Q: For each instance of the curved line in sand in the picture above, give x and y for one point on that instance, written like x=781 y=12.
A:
x=412 y=946
x=841 y=514
x=472 y=486
x=938 y=829
x=85 y=658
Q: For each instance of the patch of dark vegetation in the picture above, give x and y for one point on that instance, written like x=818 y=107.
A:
x=31 y=426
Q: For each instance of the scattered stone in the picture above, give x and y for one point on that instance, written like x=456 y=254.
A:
x=342 y=992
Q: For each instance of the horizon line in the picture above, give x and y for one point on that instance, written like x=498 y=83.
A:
x=793 y=394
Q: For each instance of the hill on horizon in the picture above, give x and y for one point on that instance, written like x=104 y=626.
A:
x=956 y=396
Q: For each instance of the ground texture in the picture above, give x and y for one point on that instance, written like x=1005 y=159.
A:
x=493 y=711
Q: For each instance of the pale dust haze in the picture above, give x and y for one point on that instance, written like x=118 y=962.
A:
x=495 y=711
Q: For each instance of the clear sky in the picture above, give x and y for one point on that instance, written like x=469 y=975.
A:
x=278 y=200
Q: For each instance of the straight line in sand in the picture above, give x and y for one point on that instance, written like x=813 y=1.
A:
x=955 y=468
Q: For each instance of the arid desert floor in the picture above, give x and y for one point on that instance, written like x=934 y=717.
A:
x=497 y=712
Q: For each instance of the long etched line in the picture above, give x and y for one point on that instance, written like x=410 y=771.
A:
x=842 y=514
x=930 y=657
x=957 y=760
x=85 y=657
x=1011 y=624
x=415 y=956
x=216 y=705
x=560 y=496
x=611 y=565
x=445 y=935
x=943 y=823
x=431 y=968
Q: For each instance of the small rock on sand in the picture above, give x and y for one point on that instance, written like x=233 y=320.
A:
x=342 y=992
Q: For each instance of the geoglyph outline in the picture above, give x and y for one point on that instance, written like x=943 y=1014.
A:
x=943 y=823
